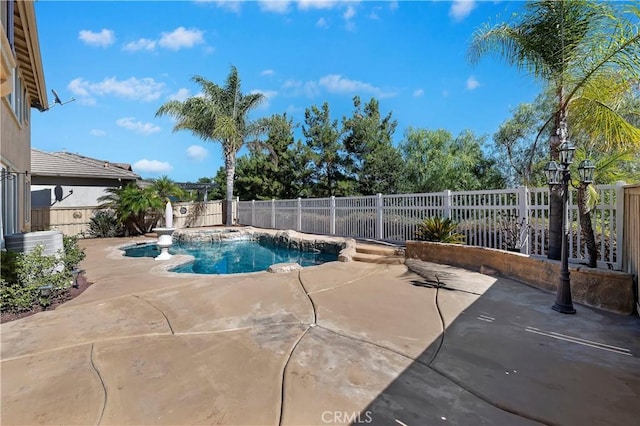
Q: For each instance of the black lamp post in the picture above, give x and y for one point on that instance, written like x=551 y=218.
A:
x=559 y=174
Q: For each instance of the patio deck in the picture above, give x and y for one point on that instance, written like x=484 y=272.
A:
x=337 y=343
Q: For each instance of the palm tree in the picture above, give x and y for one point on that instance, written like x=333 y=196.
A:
x=219 y=114
x=166 y=188
x=568 y=44
x=138 y=209
x=611 y=146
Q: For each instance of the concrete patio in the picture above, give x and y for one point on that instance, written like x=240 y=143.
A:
x=337 y=343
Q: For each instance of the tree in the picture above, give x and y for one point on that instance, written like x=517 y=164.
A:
x=328 y=156
x=519 y=152
x=137 y=209
x=436 y=161
x=219 y=114
x=167 y=188
x=614 y=149
x=566 y=43
x=375 y=164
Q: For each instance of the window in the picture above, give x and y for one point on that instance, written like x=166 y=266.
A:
x=6 y=16
x=9 y=197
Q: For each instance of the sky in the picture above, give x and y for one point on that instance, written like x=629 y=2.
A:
x=122 y=60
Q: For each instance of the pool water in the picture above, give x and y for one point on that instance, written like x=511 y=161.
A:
x=232 y=257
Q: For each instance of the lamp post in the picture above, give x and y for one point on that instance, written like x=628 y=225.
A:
x=560 y=175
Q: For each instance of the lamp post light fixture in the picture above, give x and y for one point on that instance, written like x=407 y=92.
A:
x=560 y=175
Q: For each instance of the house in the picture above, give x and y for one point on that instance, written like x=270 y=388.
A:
x=22 y=88
x=65 y=188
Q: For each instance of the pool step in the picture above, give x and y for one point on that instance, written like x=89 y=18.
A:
x=373 y=253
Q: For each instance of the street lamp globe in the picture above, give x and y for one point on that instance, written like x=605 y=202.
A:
x=566 y=151
x=586 y=169
x=552 y=171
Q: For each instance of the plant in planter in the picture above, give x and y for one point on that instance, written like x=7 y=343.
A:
x=514 y=231
x=437 y=229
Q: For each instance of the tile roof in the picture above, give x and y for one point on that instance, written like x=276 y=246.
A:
x=75 y=165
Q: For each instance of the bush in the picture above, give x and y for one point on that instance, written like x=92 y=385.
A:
x=24 y=273
x=73 y=254
x=105 y=224
x=439 y=230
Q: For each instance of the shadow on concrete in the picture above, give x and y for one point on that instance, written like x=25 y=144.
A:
x=509 y=359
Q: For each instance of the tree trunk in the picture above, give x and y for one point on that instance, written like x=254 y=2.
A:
x=230 y=168
x=586 y=227
x=555 y=195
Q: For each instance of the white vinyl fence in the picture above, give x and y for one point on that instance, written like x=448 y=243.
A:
x=505 y=219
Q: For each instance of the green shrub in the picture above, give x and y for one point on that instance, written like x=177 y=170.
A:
x=105 y=224
x=439 y=230
x=24 y=273
x=73 y=254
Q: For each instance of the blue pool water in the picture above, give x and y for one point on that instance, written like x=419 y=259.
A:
x=232 y=257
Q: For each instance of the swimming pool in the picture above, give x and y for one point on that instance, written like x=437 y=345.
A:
x=233 y=257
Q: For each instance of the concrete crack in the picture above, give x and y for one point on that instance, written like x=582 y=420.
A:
x=306 y=293
x=375 y=271
x=159 y=310
x=284 y=372
x=104 y=387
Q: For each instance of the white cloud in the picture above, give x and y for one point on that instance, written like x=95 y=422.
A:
x=102 y=39
x=144 y=89
x=97 y=132
x=298 y=88
x=322 y=23
x=267 y=72
x=316 y=4
x=268 y=95
x=140 y=44
x=393 y=5
x=460 y=9
x=275 y=6
x=472 y=83
x=229 y=5
x=349 y=13
x=180 y=95
x=181 y=37
x=137 y=126
x=152 y=166
x=335 y=83
x=197 y=153
x=418 y=92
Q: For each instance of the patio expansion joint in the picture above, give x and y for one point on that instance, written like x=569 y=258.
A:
x=157 y=309
x=375 y=271
x=104 y=387
x=284 y=374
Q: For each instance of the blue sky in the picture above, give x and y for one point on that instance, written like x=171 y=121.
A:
x=122 y=60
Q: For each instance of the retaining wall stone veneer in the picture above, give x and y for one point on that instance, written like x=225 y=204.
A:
x=605 y=289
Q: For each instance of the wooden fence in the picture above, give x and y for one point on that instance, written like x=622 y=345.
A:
x=631 y=238
x=75 y=220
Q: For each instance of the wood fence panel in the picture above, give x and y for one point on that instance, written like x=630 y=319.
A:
x=631 y=235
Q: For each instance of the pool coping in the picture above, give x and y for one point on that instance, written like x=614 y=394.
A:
x=345 y=247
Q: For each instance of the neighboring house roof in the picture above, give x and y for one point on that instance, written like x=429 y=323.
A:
x=75 y=165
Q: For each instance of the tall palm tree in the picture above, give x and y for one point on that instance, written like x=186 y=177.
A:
x=566 y=43
x=600 y=137
x=219 y=114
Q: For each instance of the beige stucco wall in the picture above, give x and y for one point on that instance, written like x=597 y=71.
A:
x=15 y=153
x=610 y=290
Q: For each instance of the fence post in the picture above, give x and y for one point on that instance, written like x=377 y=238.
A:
x=237 y=212
x=523 y=201
x=379 y=222
x=447 y=204
x=253 y=212
x=619 y=224
x=273 y=213
x=332 y=216
x=299 y=224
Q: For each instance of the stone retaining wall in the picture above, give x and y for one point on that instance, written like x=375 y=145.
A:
x=610 y=290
